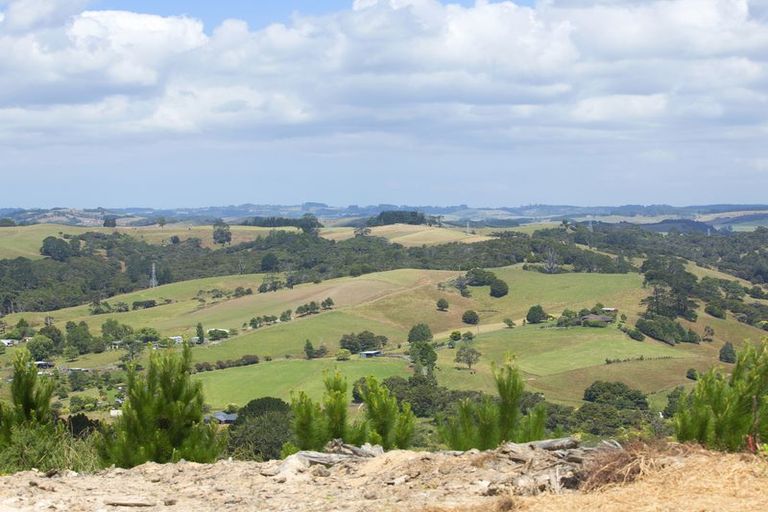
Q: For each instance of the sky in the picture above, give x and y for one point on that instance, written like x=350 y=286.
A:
x=120 y=103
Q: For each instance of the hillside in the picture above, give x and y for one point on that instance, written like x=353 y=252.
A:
x=559 y=362
x=398 y=481
x=25 y=241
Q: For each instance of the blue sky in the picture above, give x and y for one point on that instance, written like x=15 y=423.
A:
x=258 y=13
x=117 y=102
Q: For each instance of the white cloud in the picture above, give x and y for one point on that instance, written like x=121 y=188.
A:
x=419 y=72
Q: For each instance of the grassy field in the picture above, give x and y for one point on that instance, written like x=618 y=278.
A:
x=280 y=378
x=562 y=362
x=558 y=362
x=408 y=235
x=25 y=241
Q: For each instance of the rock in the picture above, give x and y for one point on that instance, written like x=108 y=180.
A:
x=169 y=502
x=321 y=471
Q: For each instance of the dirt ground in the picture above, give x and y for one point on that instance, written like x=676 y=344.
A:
x=690 y=480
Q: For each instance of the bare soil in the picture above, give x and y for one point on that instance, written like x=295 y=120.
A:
x=677 y=479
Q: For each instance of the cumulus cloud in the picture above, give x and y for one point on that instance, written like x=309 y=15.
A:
x=492 y=75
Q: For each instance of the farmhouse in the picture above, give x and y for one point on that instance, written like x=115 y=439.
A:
x=223 y=418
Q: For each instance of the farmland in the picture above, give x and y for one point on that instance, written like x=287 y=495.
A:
x=25 y=241
x=558 y=362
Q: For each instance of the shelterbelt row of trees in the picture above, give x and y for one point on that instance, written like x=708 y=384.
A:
x=163 y=416
x=95 y=266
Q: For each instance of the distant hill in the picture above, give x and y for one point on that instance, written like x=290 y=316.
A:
x=453 y=214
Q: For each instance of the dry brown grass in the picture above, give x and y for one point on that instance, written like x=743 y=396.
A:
x=654 y=478
x=622 y=467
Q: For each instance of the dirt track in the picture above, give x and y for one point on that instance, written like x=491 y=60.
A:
x=401 y=481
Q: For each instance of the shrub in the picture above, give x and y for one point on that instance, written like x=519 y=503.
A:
x=714 y=310
x=162 y=418
x=636 y=335
x=728 y=413
x=509 y=323
x=455 y=336
x=536 y=315
x=470 y=317
x=499 y=288
x=728 y=353
x=692 y=374
x=442 y=305
x=260 y=437
x=343 y=355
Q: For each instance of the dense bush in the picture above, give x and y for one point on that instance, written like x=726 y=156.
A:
x=499 y=288
x=470 y=317
x=362 y=342
x=667 y=330
x=728 y=412
x=715 y=310
x=616 y=394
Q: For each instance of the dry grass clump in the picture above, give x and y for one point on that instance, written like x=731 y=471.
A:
x=503 y=504
x=621 y=466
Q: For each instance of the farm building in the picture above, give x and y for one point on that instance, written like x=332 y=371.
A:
x=223 y=418
x=368 y=354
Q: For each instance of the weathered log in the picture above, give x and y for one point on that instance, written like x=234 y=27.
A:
x=565 y=443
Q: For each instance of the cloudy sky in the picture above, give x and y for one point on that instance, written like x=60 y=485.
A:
x=186 y=103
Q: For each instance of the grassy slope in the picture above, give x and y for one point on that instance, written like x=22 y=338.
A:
x=280 y=378
x=559 y=362
x=25 y=241
x=409 y=236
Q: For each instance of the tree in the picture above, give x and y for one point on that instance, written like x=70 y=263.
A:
x=470 y=317
x=112 y=330
x=309 y=349
x=361 y=231
x=162 y=417
x=728 y=412
x=79 y=336
x=161 y=221
x=467 y=355
x=343 y=355
x=536 y=315
x=261 y=437
x=423 y=354
x=148 y=335
x=110 y=221
x=420 y=332
x=221 y=233
x=455 y=336
x=133 y=349
x=442 y=304
x=56 y=249
x=41 y=347
x=55 y=335
x=509 y=323
x=550 y=263
x=327 y=303
x=30 y=398
x=487 y=423
x=200 y=333
x=499 y=288
x=728 y=353
x=269 y=263
x=616 y=394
